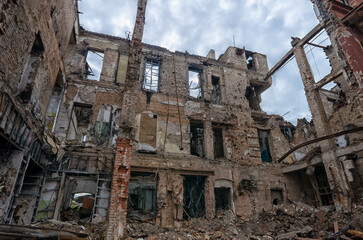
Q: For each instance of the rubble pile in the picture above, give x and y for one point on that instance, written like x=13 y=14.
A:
x=287 y=221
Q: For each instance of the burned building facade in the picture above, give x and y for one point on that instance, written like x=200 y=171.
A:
x=135 y=130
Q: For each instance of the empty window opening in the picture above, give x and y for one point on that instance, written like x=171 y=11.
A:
x=249 y=60
x=277 y=197
x=142 y=195
x=78 y=198
x=264 y=146
x=195 y=83
x=194 y=199
x=321 y=188
x=54 y=103
x=83 y=203
x=222 y=198
x=31 y=188
x=288 y=133
x=218 y=142
x=25 y=87
x=253 y=98
x=94 y=62
x=151 y=75
x=196 y=139
x=216 y=91
x=80 y=119
x=103 y=124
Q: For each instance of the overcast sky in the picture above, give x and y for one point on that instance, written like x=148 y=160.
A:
x=263 y=26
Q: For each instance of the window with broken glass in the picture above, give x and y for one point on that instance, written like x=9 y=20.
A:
x=94 y=62
x=195 y=83
x=151 y=75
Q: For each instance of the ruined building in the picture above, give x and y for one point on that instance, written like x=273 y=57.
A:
x=152 y=133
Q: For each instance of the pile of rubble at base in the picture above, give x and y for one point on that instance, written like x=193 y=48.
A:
x=290 y=221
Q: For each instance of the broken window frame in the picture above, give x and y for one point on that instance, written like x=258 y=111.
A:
x=152 y=73
x=288 y=133
x=199 y=208
x=216 y=91
x=199 y=86
x=89 y=72
x=199 y=137
x=71 y=121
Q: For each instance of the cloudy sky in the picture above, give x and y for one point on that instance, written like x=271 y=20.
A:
x=264 y=26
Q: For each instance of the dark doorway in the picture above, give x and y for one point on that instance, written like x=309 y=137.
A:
x=276 y=196
x=222 y=198
x=194 y=200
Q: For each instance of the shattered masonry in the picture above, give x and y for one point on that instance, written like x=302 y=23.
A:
x=166 y=135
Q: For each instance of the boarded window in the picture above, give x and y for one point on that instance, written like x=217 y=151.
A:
x=194 y=200
x=195 y=83
x=80 y=119
x=25 y=87
x=196 y=139
x=94 y=62
x=147 y=136
x=151 y=75
x=218 y=143
x=264 y=146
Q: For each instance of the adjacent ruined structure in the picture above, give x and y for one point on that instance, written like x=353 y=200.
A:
x=117 y=128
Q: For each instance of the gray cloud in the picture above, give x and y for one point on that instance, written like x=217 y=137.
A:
x=197 y=26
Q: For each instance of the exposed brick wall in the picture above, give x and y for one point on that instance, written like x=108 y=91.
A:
x=120 y=185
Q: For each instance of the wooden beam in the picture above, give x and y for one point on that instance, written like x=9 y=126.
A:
x=327 y=79
x=290 y=53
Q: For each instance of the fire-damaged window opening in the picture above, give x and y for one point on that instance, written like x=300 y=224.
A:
x=218 y=142
x=151 y=75
x=80 y=119
x=94 y=62
x=194 y=197
x=288 y=133
x=142 y=196
x=264 y=145
x=216 y=91
x=25 y=87
x=249 y=60
x=195 y=83
x=277 y=196
x=197 y=139
x=222 y=198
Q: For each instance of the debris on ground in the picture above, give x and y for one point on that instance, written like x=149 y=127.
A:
x=286 y=221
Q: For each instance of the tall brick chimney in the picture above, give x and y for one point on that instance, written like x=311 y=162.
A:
x=117 y=211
